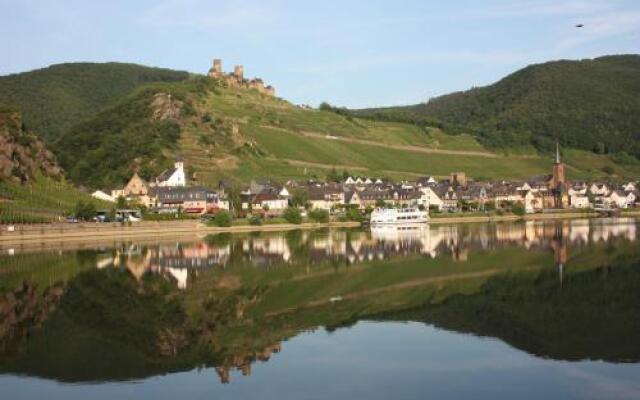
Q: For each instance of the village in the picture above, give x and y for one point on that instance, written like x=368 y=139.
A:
x=172 y=193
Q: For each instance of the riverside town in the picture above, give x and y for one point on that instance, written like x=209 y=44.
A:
x=320 y=200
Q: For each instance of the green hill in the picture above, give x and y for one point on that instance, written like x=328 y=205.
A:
x=55 y=98
x=589 y=104
x=241 y=134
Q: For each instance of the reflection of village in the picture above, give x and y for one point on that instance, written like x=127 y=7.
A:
x=183 y=261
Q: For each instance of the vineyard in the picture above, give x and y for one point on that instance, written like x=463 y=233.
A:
x=45 y=200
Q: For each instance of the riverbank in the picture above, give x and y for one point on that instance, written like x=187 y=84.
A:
x=90 y=232
x=62 y=232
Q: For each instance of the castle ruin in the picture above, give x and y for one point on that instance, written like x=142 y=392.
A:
x=236 y=78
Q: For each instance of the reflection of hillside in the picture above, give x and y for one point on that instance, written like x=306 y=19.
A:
x=593 y=315
x=130 y=319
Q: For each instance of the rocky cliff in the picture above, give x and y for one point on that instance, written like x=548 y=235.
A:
x=22 y=154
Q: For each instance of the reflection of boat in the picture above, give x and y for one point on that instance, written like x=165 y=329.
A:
x=385 y=216
x=399 y=232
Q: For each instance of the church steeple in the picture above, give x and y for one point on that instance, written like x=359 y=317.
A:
x=557 y=153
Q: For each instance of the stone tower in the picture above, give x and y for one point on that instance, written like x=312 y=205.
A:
x=238 y=72
x=216 y=70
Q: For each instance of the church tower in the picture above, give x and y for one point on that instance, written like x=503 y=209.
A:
x=557 y=183
x=558 y=170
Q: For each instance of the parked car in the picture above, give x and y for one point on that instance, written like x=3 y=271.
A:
x=71 y=220
x=101 y=218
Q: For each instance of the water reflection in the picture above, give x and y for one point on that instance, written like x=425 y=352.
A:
x=226 y=302
x=343 y=247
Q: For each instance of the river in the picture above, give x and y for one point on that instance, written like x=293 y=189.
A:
x=536 y=309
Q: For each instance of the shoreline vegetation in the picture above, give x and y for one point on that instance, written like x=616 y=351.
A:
x=62 y=232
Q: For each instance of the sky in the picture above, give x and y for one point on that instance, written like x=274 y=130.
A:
x=348 y=53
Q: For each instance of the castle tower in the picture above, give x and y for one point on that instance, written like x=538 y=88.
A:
x=216 y=70
x=238 y=72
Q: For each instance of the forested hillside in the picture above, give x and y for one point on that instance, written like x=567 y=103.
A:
x=590 y=104
x=106 y=121
x=55 y=98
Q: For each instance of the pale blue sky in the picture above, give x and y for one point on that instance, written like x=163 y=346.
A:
x=352 y=53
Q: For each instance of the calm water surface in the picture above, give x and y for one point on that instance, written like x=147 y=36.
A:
x=508 y=310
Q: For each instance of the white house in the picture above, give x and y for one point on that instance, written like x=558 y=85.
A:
x=325 y=199
x=284 y=192
x=578 y=200
x=618 y=199
x=629 y=187
x=577 y=191
x=100 y=195
x=174 y=177
x=429 y=198
x=599 y=189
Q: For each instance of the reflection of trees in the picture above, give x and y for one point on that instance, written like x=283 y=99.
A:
x=593 y=315
x=134 y=323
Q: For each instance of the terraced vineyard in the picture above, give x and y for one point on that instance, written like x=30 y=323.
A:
x=44 y=200
x=287 y=141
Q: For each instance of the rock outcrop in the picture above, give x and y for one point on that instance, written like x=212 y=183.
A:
x=165 y=107
x=22 y=154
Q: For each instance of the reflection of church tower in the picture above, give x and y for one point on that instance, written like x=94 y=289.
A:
x=559 y=247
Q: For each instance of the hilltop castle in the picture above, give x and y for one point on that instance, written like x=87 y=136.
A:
x=236 y=79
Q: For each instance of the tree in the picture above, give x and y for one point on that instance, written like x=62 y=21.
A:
x=299 y=197
x=489 y=206
x=354 y=214
x=333 y=176
x=121 y=203
x=223 y=219
x=292 y=215
x=85 y=210
x=321 y=216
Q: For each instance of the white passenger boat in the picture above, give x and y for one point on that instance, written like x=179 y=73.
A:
x=396 y=216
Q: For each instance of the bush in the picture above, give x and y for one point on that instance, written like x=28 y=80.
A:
x=608 y=169
x=321 y=216
x=518 y=209
x=292 y=215
x=255 y=219
x=353 y=214
x=223 y=219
